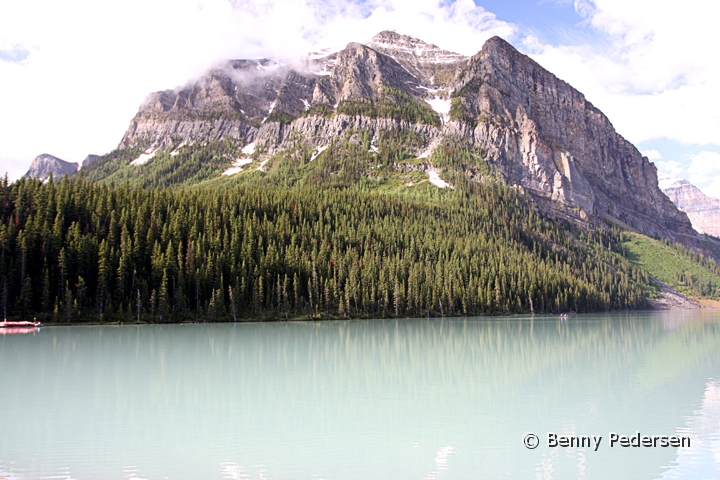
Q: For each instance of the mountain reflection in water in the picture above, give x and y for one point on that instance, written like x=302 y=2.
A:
x=412 y=398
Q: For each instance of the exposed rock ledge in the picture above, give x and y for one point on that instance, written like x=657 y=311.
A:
x=671 y=299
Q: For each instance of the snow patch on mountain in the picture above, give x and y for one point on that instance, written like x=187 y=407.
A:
x=248 y=149
x=666 y=181
x=317 y=152
x=442 y=107
x=144 y=158
x=434 y=177
x=261 y=167
x=427 y=153
x=237 y=166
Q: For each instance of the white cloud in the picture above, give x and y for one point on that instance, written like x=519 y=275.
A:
x=89 y=64
x=712 y=189
x=651 y=154
x=703 y=167
x=670 y=168
x=667 y=168
x=651 y=69
x=80 y=68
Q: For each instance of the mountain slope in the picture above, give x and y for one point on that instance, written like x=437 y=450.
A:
x=537 y=131
x=544 y=135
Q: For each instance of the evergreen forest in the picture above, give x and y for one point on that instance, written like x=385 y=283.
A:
x=339 y=236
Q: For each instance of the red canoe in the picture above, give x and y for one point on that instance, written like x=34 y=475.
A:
x=20 y=324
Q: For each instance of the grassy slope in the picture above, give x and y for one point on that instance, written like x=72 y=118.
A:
x=666 y=263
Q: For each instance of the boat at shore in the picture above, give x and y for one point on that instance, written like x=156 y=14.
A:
x=20 y=324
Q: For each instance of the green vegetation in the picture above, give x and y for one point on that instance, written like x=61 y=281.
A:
x=682 y=269
x=354 y=231
x=458 y=111
x=325 y=238
x=188 y=165
x=280 y=116
x=393 y=104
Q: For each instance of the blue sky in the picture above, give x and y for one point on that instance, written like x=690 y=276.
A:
x=553 y=22
x=73 y=73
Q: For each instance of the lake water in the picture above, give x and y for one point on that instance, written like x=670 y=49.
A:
x=382 y=399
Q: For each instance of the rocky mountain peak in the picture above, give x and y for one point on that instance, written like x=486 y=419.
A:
x=44 y=165
x=429 y=63
x=543 y=134
x=391 y=39
x=534 y=129
x=703 y=211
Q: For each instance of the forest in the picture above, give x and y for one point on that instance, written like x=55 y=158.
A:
x=80 y=251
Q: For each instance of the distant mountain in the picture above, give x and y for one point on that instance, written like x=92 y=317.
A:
x=89 y=160
x=532 y=128
x=46 y=164
x=703 y=211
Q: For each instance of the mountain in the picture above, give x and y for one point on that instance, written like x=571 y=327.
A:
x=89 y=160
x=392 y=178
x=703 y=211
x=535 y=130
x=46 y=164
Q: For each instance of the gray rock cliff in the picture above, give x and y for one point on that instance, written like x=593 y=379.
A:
x=543 y=134
x=535 y=129
x=89 y=160
x=46 y=164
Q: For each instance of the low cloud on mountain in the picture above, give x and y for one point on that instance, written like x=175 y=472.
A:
x=86 y=66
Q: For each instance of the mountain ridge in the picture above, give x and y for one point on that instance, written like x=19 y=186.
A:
x=536 y=130
x=45 y=165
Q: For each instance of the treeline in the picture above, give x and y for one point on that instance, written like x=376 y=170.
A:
x=74 y=251
x=177 y=166
x=391 y=103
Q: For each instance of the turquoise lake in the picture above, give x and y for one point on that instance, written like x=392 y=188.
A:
x=364 y=399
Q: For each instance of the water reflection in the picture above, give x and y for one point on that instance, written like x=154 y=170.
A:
x=415 y=399
x=704 y=429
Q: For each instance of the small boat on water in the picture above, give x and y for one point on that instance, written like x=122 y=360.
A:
x=20 y=324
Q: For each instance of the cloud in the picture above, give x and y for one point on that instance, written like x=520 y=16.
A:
x=75 y=72
x=79 y=69
x=712 y=189
x=670 y=168
x=651 y=154
x=649 y=69
x=703 y=167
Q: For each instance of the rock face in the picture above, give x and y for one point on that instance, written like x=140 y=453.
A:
x=703 y=211
x=544 y=135
x=46 y=164
x=536 y=130
x=255 y=100
x=89 y=160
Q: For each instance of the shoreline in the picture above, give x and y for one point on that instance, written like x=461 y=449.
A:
x=676 y=303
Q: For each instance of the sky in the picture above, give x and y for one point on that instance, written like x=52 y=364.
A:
x=73 y=73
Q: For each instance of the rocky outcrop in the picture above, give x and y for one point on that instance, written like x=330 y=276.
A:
x=703 y=211
x=430 y=64
x=535 y=129
x=242 y=97
x=543 y=134
x=44 y=165
x=89 y=160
